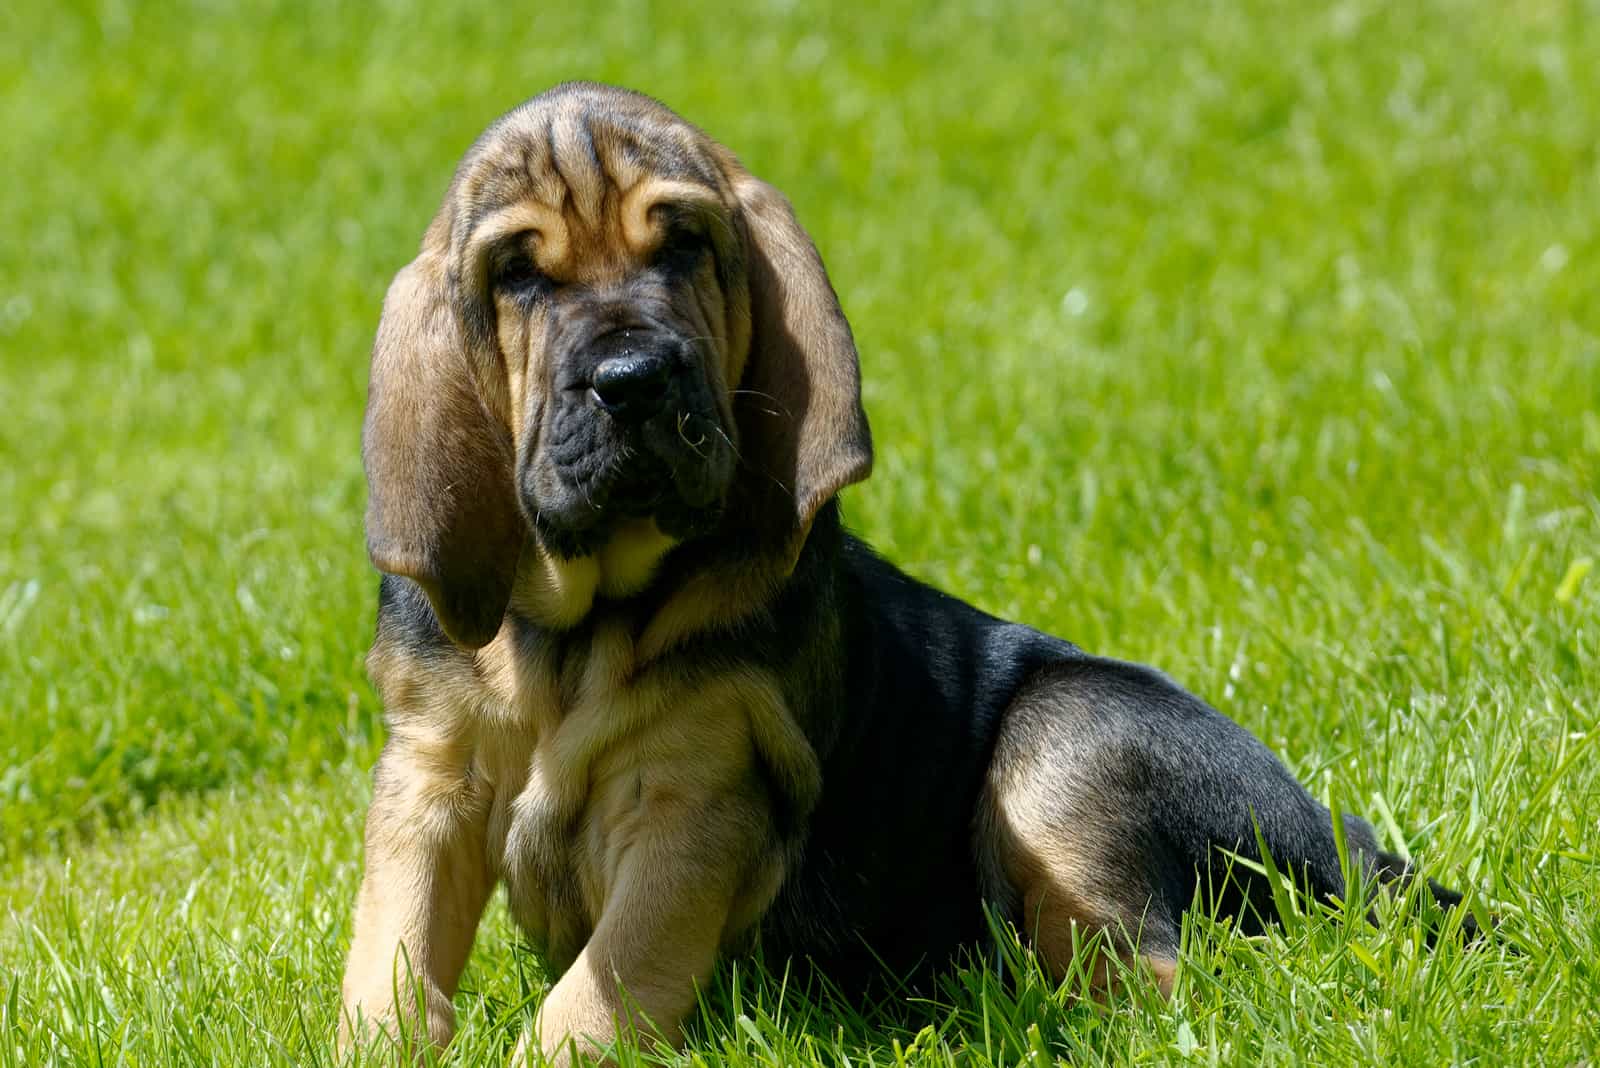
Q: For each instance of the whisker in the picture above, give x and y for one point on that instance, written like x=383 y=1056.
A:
x=744 y=464
x=723 y=434
x=694 y=446
x=742 y=392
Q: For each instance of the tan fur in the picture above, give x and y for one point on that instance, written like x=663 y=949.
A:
x=639 y=230
x=625 y=807
x=1072 y=892
x=622 y=809
x=427 y=870
x=629 y=560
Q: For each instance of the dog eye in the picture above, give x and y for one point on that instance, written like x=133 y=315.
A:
x=515 y=271
x=683 y=245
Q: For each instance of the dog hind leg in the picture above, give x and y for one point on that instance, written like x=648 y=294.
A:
x=1115 y=798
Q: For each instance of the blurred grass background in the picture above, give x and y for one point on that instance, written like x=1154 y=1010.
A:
x=1254 y=340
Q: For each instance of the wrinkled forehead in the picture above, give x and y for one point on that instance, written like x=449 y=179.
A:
x=584 y=167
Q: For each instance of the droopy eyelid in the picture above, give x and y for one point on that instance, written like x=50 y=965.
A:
x=513 y=262
x=523 y=222
x=682 y=225
x=679 y=217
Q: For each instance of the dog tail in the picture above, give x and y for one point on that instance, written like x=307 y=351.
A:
x=1291 y=834
x=1149 y=801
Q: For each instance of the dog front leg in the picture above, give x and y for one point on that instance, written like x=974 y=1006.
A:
x=667 y=912
x=426 y=882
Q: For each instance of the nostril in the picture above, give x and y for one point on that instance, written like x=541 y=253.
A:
x=632 y=384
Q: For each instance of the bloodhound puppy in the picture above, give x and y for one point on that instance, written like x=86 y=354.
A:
x=635 y=669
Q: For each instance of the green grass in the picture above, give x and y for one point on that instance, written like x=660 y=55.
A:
x=1258 y=341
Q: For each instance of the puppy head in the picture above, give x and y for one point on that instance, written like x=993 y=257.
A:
x=610 y=322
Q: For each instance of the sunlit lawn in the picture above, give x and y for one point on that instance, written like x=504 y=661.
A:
x=1257 y=341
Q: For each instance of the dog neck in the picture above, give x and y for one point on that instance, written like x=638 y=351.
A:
x=559 y=592
x=667 y=591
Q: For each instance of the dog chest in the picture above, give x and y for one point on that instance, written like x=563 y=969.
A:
x=592 y=761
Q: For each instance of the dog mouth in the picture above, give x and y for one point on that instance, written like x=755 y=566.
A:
x=595 y=474
x=632 y=430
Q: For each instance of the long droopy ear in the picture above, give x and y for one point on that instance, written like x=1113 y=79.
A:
x=799 y=402
x=441 y=509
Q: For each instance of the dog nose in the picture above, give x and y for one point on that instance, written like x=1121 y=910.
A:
x=631 y=386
